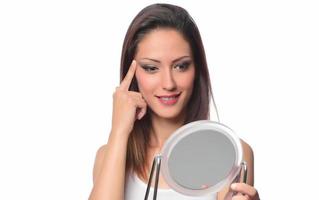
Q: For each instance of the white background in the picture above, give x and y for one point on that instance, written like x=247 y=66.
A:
x=60 y=64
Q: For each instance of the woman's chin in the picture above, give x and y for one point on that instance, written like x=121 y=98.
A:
x=171 y=115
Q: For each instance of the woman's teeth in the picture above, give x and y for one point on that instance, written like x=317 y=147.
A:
x=168 y=98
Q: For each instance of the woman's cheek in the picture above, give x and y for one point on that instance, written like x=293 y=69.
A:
x=146 y=85
x=186 y=81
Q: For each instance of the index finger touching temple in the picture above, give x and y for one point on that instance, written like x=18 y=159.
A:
x=126 y=82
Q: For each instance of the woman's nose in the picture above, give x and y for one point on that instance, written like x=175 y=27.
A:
x=168 y=81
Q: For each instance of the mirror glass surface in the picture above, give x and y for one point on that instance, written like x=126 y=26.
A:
x=201 y=160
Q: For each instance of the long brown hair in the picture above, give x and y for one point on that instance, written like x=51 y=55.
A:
x=150 y=18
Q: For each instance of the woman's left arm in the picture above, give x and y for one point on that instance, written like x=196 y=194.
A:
x=245 y=191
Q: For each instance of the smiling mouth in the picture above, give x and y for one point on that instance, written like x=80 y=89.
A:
x=169 y=100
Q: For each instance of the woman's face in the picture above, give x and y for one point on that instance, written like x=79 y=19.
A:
x=165 y=72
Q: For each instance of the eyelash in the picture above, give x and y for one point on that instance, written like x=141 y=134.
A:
x=151 y=69
x=185 y=65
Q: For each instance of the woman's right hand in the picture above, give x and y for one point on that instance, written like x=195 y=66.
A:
x=127 y=105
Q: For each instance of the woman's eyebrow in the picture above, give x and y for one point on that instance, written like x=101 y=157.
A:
x=157 y=61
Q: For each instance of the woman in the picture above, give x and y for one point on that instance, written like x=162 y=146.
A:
x=164 y=84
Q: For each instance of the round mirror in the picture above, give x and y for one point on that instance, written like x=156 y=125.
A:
x=201 y=157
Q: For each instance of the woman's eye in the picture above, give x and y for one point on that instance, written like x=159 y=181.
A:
x=183 y=66
x=149 y=68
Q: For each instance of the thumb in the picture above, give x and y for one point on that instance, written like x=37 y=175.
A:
x=141 y=113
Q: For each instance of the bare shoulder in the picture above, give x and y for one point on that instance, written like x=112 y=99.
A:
x=100 y=154
x=247 y=150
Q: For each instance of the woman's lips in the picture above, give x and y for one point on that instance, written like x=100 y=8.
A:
x=169 y=100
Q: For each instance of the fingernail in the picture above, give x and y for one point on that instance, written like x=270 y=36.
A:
x=233 y=186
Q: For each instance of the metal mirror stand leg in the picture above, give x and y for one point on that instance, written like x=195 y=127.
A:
x=244 y=169
x=242 y=176
x=156 y=164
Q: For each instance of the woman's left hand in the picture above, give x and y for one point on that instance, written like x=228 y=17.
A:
x=244 y=192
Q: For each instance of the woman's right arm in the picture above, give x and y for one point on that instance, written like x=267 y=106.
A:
x=109 y=170
x=110 y=162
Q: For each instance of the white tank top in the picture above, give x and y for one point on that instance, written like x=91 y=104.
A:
x=135 y=189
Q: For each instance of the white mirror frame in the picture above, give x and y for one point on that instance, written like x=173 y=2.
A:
x=177 y=136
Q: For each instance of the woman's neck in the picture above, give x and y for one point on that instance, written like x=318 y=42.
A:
x=162 y=129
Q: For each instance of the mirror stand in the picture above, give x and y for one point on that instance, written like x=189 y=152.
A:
x=157 y=165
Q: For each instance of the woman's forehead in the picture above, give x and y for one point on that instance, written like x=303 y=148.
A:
x=163 y=44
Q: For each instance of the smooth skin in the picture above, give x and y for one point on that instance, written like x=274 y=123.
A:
x=166 y=52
